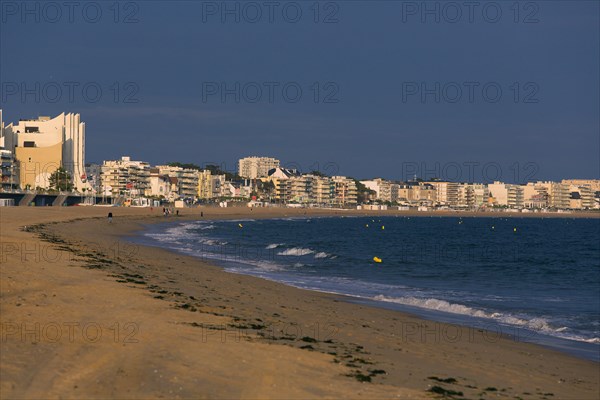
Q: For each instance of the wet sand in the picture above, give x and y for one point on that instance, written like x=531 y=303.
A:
x=85 y=314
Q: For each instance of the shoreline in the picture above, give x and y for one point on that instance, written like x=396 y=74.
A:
x=585 y=350
x=311 y=325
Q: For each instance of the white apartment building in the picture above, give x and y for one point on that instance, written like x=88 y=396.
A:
x=40 y=146
x=507 y=195
x=187 y=179
x=581 y=197
x=416 y=193
x=593 y=184
x=345 y=192
x=8 y=168
x=206 y=184
x=125 y=177
x=535 y=196
x=383 y=189
x=473 y=195
x=161 y=185
x=301 y=189
x=256 y=167
x=212 y=186
x=446 y=193
x=553 y=194
x=323 y=190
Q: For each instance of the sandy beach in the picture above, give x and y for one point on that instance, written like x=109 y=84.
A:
x=87 y=315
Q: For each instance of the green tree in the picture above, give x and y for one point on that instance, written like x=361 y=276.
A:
x=362 y=192
x=61 y=180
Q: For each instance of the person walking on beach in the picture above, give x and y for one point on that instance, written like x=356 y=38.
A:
x=109 y=217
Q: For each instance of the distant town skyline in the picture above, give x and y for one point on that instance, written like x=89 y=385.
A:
x=374 y=88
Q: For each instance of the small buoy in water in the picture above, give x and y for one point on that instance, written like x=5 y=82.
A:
x=514 y=229
x=382 y=227
x=240 y=225
x=493 y=227
x=367 y=225
x=377 y=259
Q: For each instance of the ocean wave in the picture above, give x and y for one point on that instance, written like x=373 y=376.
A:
x=534 y=324
x=295 y=251
x=212 y=242
x=273 y=246
x=211 y=226
x=434 y=304
x=321 y=254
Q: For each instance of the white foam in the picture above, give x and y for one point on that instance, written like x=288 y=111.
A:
x=321 y=254
x=273 y=246
x=533 y=324
x=295 y=251
x=434 y=304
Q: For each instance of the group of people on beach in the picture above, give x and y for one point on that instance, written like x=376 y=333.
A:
x=168 y=211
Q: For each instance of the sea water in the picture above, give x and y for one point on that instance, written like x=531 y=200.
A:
x=536 y=279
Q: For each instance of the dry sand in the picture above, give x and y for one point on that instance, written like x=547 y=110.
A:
x=84 y=315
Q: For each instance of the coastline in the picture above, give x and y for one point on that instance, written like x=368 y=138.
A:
x=227 y=335
x=249 y=261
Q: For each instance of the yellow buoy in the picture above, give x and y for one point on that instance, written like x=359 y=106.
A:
x=240 y=225
x=514 y=229
x=377 y=259
x=382 y=227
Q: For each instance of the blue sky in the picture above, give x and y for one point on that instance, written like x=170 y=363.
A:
x=386 y=89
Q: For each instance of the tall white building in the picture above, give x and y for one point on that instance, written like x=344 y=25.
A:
x=8 y=171
x=384 y=190
x=447 y=193
x=256 y=167
x=507 y=195
x=473 y=195
x=125 y=177
x=345 y=192
x=42 y=145
x=187 y=179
